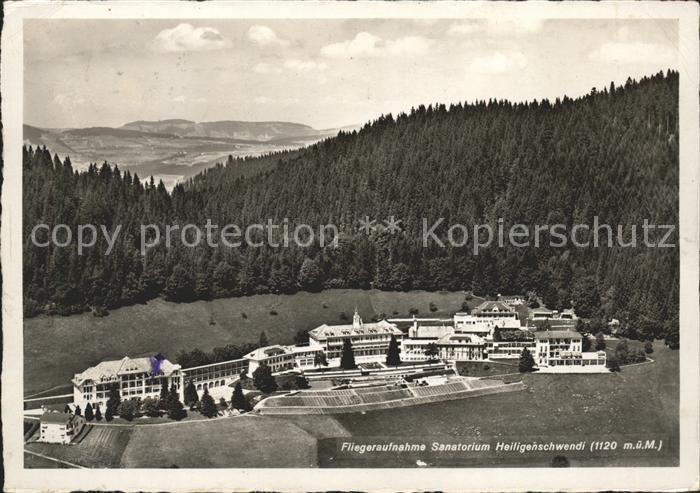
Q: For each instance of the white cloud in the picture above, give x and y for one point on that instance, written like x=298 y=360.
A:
x=185 y=37
x=268 y=100
x=264 y=36
x=68 y=100
x=463 y=29
x=366 y=45
x=181 y=99
x=631 y=53
x=498 y=63
x=304 y=65
x=409 y=45
x=522 y=25
x=499 y=27
x=266 y=68
x=363 y=44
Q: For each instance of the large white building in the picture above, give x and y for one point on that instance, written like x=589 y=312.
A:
x=370 y=341
x=283 y=358
x=136 y=377
x=560 y=351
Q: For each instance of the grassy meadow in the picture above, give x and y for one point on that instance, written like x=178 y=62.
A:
x=55 y=348
x=640 y=401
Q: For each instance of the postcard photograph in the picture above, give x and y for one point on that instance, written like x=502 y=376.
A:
x=351 y=242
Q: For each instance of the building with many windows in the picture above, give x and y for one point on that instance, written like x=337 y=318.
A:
x=283 y=358
x=370 y=341
x=486 y=317
x=58 y=427
x=560 y=351
x=137 y=377
x=217 y=374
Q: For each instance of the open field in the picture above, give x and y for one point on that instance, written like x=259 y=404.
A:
x=248 y=441
x=640 y=401
x=51 y=356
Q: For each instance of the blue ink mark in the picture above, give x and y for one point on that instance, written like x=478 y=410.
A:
x=155 y=363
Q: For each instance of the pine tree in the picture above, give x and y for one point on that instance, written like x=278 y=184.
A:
x=89 y=415
x=163 y=400
x=432 y=352
x=207 y=406
x=176 y=410
x=98 y=413
x=599 y=341
x=109 y=415
x=263 y=379
x=347 y=358
x=113 y=401
x=77 y=411
x=393 y=356
x=320 y=359
x=238 y=400
x=262 y=342
x=310 y=276
x=527 y=362
x=191 y=395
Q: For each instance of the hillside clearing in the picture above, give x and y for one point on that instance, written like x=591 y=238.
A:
x=55 y=348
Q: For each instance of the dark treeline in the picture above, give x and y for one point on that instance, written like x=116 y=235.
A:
x=612 y=153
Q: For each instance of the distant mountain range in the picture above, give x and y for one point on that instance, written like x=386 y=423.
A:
x=256 y=131
x=175 y=149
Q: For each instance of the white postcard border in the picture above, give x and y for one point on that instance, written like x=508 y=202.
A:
x=452 y=479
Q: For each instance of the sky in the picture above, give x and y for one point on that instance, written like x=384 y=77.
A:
x=320 y=72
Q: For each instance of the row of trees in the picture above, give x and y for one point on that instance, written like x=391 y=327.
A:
x=612 y=154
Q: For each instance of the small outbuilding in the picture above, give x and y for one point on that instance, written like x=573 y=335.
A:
x=59 y=427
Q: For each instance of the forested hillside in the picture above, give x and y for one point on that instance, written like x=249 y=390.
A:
x=611 y=154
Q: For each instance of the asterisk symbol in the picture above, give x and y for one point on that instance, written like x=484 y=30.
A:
x=367 y=225
x=392 y=225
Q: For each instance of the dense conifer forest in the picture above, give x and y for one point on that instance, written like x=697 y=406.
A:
x=612 y=153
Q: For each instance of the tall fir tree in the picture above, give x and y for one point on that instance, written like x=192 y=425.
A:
x=207 y=405
x=347 y=357
x=393 y=354
x=238 y=400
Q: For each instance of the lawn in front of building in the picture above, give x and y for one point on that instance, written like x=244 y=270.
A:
x=641 y=400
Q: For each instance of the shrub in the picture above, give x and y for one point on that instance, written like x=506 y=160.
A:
x=413 y=311
x=127 y=409
x=273 y=312
x=648 y=347
x=343 y=316
x=433 y=307
x=149 y=406
x=244 y=315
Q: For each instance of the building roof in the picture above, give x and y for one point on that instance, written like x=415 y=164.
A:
x=110 y=370
x=267 y=352
x=542 y=310
x=431 y=331
x=56 y=418
x=305 y=349
x=494 y=306
x=557 y=334
x=461 y=339
x=348 y=330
